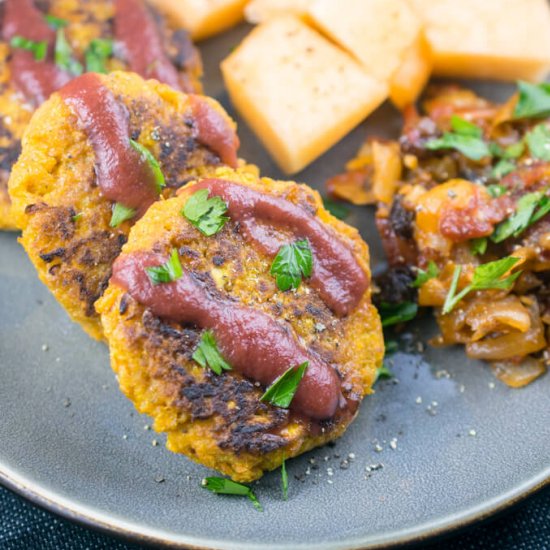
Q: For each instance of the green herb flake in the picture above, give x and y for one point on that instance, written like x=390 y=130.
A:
x=120 y=214
x=76 y=217
x=64 y=55
x=38 y=49
x=284 y=480
x=97 y=53
x=391 y=346
x=167 y=273
x=336 y=208
x=146 y=155
x=514 y=151
x=470 y=146
x=206 y=214
x=383 y=373
x=496 y=190
x=224 y=486
x=207 y=354
x=538 y=141
x=533 y=100
x=392 y=314
x=487 y=276
x=293 y=261
x=282 y=391
x=56 y=23
x=424 y=276
x=502 y=168
x=521 y=219
x=478 y=246
x=463 y=127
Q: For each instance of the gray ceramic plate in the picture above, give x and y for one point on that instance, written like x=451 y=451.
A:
x=454 y=444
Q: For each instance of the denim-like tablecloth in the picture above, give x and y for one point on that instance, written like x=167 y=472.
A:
x=22 y=527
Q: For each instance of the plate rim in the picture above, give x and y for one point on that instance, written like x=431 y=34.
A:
x=132 y=532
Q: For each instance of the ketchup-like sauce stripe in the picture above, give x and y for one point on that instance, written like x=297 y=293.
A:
x=138 y=33
x=122 y=174
x=251 y=341
x=36 y=80
x=337 y=275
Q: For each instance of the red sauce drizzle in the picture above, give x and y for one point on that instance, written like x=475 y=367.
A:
x=36 y=80
x=337 y=275
x=213 y=130
x=144 y=50
x=252 y=342
x=122 y=174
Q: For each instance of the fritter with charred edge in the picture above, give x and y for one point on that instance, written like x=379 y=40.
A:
x=68 y=223
x=218 y=419
x=88 y=31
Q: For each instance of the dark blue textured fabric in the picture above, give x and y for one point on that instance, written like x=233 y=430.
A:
x=24 y=527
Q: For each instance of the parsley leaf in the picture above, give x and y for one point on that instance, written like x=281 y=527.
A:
x=496 y=190
x=99 y=50
x=470 y=146
x=538 y=140
x=502 y=168
x=120 y=214
x=533 y=100
x=425 y=276
x=293 y=261
x=513 y=151
x=168 y=272
x=478 y=246
x=153 y=164
x=382 y=373
x=392 y=314
x=207 y=215
x=336 y=208
x=224 y=486
x=207 y=354
x=520 y=220
x=55 y=23
x=282 y=391
x=543 y=209
x=464 y=127
x=486 y=277
x=284 y=480
x=64 y=55
x=38 y=49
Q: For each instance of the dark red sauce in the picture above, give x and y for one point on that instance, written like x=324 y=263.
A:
x=122 y=174
x=213 y=130
x=337 y=275
x=36 y=80
x=143 y=46
x=252 y=342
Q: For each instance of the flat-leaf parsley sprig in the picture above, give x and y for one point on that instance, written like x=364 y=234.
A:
x=293 y=262
x=207 y=354
x=282 y=391
x=206 y=214
x=168 y=272
x=224 y=486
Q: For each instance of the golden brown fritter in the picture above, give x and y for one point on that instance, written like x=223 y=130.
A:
x=219 y=421
x=56 y=200
x=87 y=20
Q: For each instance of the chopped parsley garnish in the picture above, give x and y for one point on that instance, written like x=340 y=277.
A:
x=502 y=168
x=337 y=209
x=97 y=53
x=466 y=137
x=284 y=480
x=207 y=354
x=487 y=276
x=224 y=486
x=76 y=217
x=538 y=141
x=513 y=151
x=392 y=314
x=526 y=214
x=425 y=276
x=293 y=261
x=167 y=273
x=55 y=23
x=496 y=190
x=383 y=373
x=120 y=214
x=38 y=49
x=152 y=162
x=64 y=55
x=282 y=391
x=478 y=246
x=533 y=100
x=206 y=214
x=391 y=346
